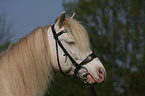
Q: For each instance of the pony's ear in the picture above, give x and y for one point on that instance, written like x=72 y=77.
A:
x=60 y=20
x=72 y=16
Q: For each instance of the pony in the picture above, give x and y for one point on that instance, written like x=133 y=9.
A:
x=27 y=67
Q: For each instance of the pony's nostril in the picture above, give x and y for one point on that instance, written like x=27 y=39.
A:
x=100 y=73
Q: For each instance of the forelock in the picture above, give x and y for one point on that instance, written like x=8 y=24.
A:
x=78 y=33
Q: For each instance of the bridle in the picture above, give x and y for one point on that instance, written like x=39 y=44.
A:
x=77 y=66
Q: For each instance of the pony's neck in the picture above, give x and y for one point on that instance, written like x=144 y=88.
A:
x=25 y=68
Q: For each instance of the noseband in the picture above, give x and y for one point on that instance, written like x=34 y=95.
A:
x=77 y=66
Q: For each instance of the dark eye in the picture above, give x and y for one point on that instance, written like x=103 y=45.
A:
x=70 y=43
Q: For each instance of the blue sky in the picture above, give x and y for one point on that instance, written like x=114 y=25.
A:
x=26 y=15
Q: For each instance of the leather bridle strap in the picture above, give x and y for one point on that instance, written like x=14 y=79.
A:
x=92 y=90
x=88 y=59
x=61 y=46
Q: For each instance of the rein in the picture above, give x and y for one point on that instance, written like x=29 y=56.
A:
x=77 y=66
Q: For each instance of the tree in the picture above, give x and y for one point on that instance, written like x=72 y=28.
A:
x=5 y=33
x=117 y=33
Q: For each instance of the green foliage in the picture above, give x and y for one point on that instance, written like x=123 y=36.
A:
x=4 y=46
x=117 y=32
x=5 y=34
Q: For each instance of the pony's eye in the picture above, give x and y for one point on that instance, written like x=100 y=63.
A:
x=70 y=43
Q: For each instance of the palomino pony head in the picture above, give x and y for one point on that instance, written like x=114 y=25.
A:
x=73 y=55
